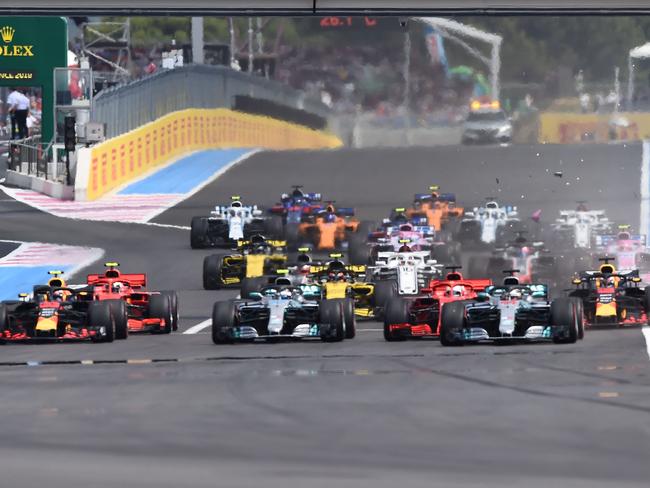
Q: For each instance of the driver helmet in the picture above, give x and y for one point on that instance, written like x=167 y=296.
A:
x=59 y=295
x=330 y=217
x=117 y=286
x=515 y=294
x=286 y=293
x=404 y=248
x=458 y=290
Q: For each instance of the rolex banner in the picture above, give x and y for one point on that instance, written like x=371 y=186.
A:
x=30 y=49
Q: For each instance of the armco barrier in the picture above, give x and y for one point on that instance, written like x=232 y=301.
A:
x=117 y=161
x=570 y=128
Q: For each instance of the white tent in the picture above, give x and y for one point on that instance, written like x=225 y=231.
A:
x=640 y=52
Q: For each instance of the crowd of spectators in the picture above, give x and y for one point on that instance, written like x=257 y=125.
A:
x=371 y=79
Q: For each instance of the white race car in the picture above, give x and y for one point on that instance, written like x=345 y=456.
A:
x=579 y=228
x=229 y=223
x=483 y=224
x=401 y=273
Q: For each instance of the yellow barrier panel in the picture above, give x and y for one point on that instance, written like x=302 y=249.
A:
x=122 y=159
x=567 y=128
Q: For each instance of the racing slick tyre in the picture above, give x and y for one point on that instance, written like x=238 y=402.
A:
x=331 y=312
x=358 y=250
x=292 y=235
x=469 y=232
x=563 y=313
x=251 y=285
x=452 y=320
x=385 y=290
x=3 y=318
x=100 y=317
x=199 y=233
x=121 y=318
x=349 y=317
x=160 y=308
x=646 y=302
x=223 y=318
x=397 y=312
x=580 y=316
x=364 y=228
x=173 y=303
x=212 y=272
x=274 y=227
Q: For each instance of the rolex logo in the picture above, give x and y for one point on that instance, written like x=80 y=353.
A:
x=7 y=33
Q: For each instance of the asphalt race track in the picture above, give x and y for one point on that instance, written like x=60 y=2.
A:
x=356 y=414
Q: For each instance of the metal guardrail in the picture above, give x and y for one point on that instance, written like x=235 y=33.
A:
x=26 y=156
x=125 y=107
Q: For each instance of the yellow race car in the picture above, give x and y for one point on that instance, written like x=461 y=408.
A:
x=254 y=258
x=339 y=281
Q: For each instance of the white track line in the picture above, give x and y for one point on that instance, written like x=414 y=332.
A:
x=198 y=327
x=646 y=334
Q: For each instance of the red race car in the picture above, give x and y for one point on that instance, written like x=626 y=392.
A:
x=144 y=311
x=414 y=317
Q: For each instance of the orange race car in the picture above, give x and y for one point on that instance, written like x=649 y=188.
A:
x=439 y=208
x=328 y=229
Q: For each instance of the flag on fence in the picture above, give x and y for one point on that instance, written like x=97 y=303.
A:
x=436 y=47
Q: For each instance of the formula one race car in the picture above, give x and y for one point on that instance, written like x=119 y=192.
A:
x=417 y=317
x=398 y=232
x=134 y=308
x=279 y=312
x=327 y=229
x=255 y=258
x=439 y=209
x=629 y=250
x=612 y=297
x=339 y=281
x=577 y=229
x=511 y=312
x=405 y=272
x=294 y=273
x=488 y=224
x=230 y=223
x=532 y=258
x=56 y=313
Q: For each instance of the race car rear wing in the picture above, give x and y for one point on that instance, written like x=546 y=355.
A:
x=606 y=240
x=345 y=212
x=135 y=280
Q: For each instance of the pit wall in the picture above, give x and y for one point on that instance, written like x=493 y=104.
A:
x=122 y=159
x=570 y=128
